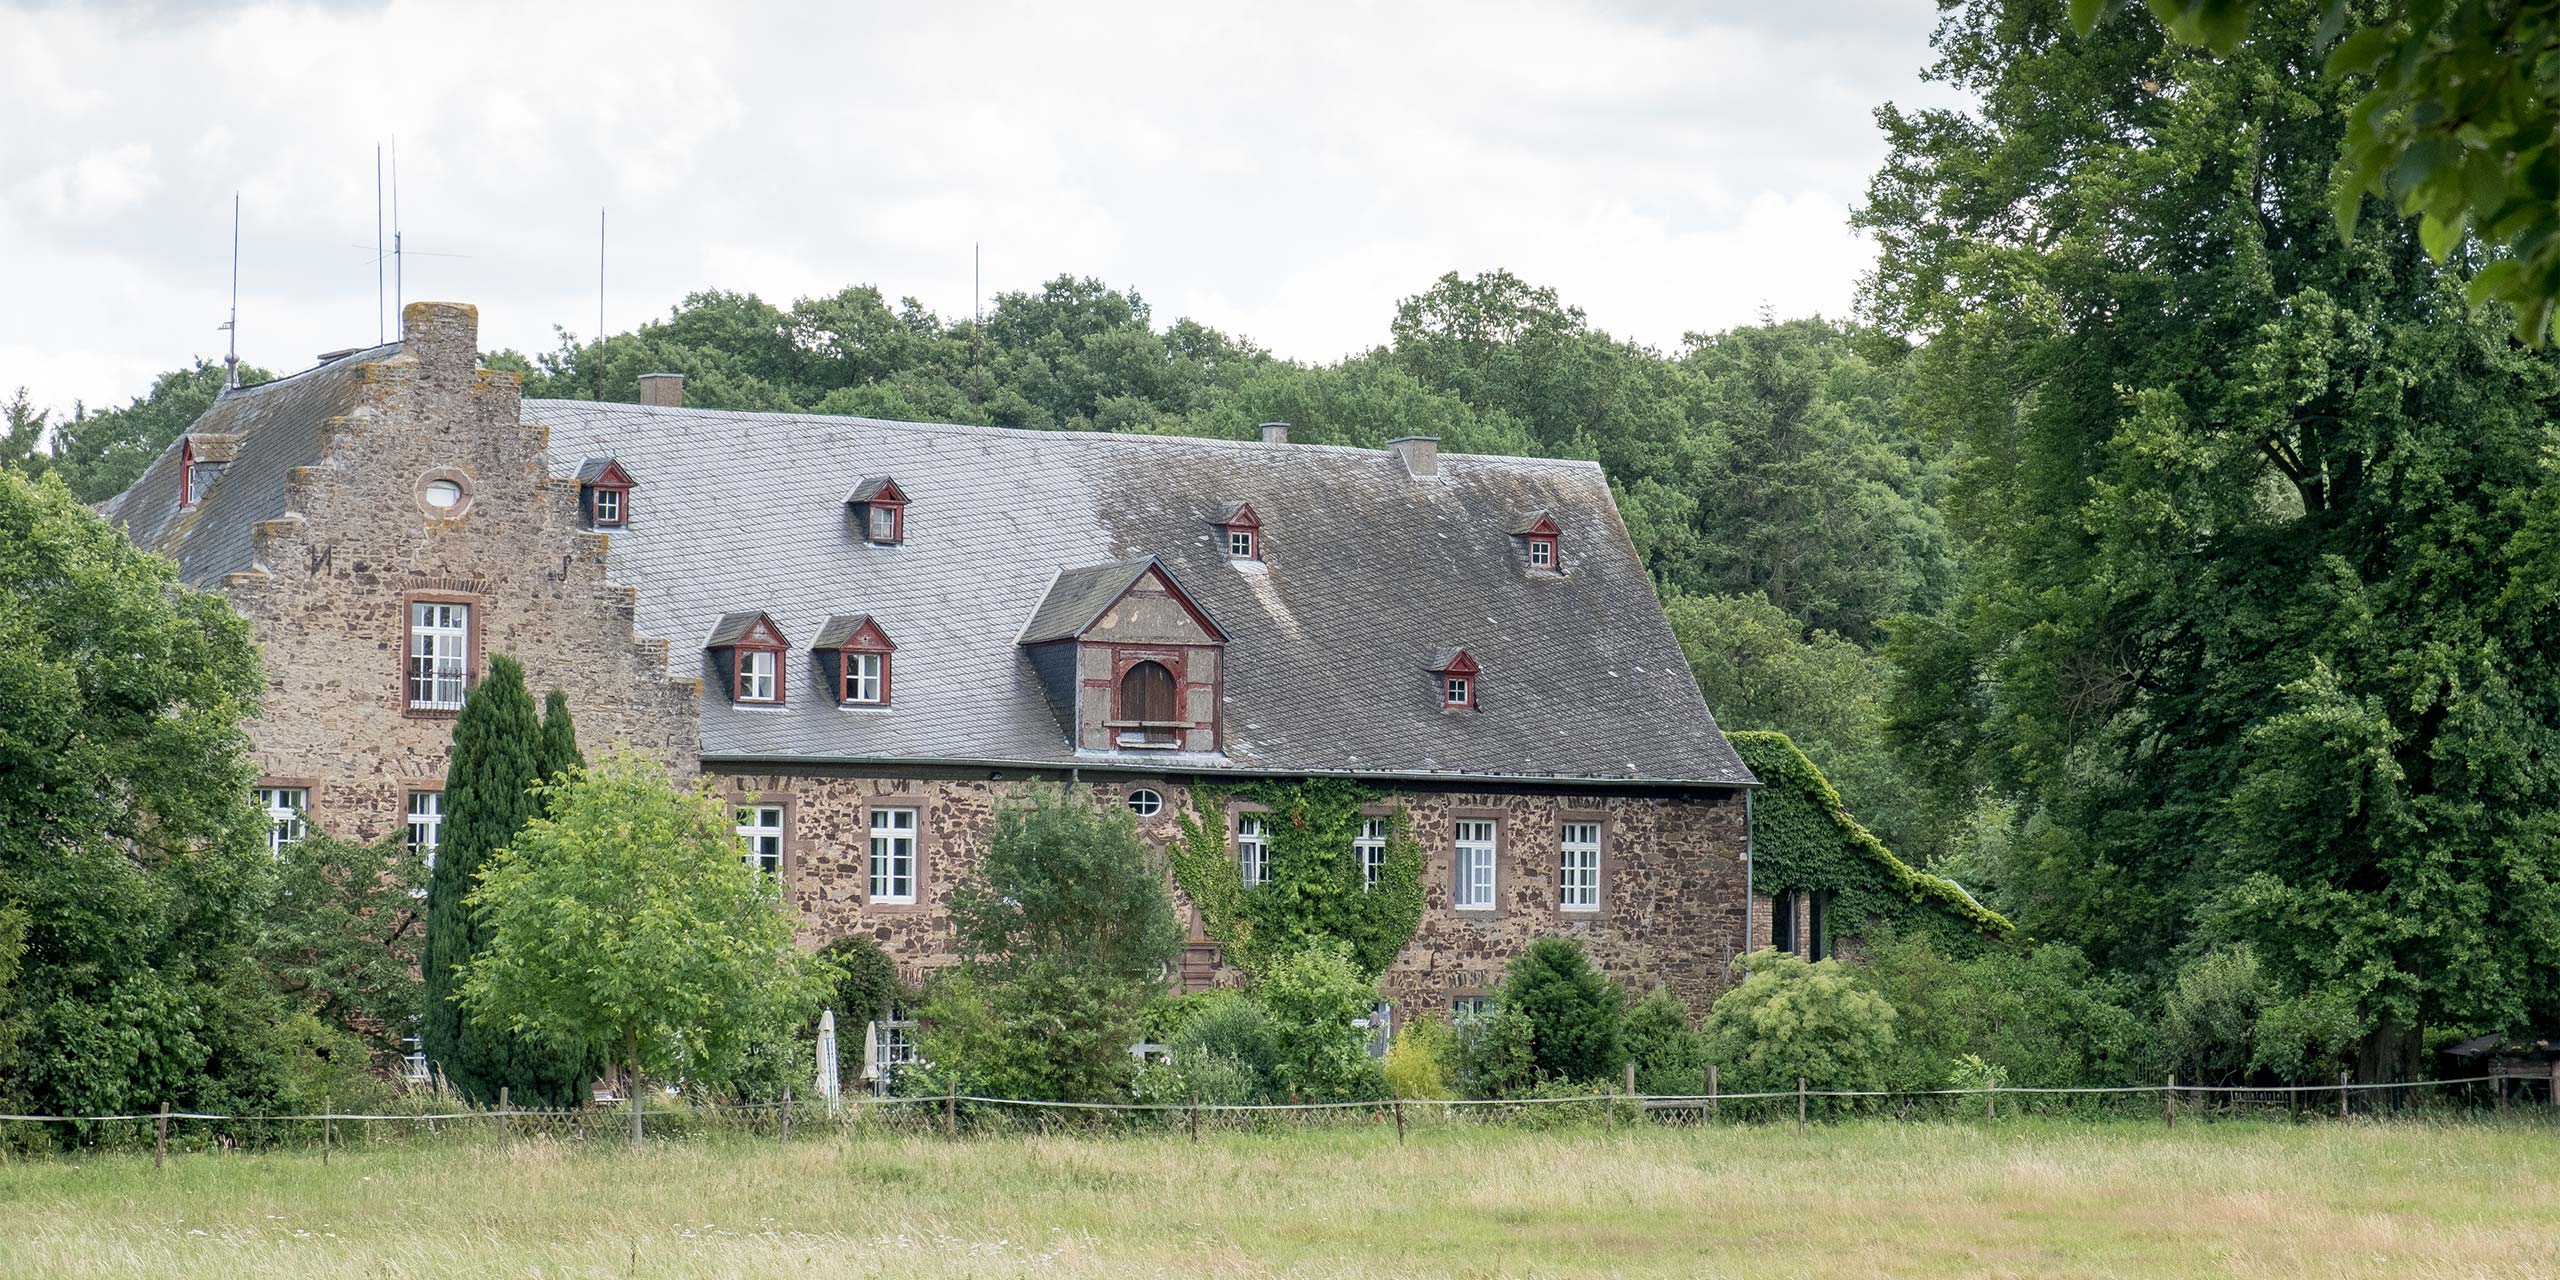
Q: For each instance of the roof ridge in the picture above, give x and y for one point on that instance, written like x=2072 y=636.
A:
x=973 y=429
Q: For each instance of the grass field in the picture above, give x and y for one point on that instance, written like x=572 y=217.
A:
x=2040 y=1199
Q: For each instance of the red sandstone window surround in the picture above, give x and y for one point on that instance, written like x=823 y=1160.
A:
x=1540 y=542
x=186 y=475
x=1458 y=677
x=879 y=509
x=440 y=652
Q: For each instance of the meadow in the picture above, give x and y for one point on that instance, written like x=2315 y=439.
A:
x=2040 y=1198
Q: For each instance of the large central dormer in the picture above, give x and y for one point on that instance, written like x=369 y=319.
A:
x=1130 y=661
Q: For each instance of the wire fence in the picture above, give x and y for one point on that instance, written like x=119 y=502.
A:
x=952 y=1114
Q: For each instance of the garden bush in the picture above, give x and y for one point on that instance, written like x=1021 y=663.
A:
x=1422 y=1061
x=1313 y=997
x=1573 y=1011
x=1496 y=1056
x=1788 y=1019
x=1670 y=1056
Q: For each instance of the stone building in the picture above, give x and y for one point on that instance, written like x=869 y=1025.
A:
x=869 y=633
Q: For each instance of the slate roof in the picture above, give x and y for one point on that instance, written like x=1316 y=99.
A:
x=281 y=424
x=591 y=470
x=1369 y=573
x=734 y=627
x=869 y=487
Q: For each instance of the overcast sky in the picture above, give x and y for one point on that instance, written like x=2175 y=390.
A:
x=1281 y=172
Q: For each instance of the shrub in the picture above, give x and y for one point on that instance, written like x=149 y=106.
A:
x=1496 y=1054
x=1228 y=1024
x=2210 y=1014
x=1422 y=1060
x=2043 y=1017
x=1313 y=997
x=1573 y=1011
x=1788 y=1019
x=1669 y=1054
x=866 y=986
x=1052 y=1036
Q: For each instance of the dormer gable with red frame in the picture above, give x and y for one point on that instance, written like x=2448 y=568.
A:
x=856 y=660
x=604 y=493
x=1460 y=680
x=749 y=659
x=1239 y=531
x=1541 y=544
x=879 y=510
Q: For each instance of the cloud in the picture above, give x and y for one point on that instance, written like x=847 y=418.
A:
x=1281 y=174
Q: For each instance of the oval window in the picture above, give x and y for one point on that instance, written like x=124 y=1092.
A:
x=1145 y=802
x=443 y=495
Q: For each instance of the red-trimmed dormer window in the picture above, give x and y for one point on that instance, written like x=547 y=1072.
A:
x=879 y=510
x=1538 y=539
x=857 y=654
x=604 y=493
x=748 y=651
x=1458 y=677
x=186 y=475
x=1239 y=531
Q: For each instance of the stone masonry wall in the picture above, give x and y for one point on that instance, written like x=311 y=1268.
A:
x=1671 y=882
x=328 y=597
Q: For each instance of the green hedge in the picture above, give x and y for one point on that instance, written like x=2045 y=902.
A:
x=1803 y=839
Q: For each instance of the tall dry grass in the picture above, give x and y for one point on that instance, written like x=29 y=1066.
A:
x=2040 y=1199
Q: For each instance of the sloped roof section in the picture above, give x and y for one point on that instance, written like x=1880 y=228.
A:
x=842 y=628
x=737 y=628
x=279 y=425
x=1381 y=571
x=1076 y=597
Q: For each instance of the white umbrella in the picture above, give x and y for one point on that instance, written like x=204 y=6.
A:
x=828 y=1086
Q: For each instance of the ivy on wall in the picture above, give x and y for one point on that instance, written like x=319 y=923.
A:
x=1803 y=839
x=1314 y=894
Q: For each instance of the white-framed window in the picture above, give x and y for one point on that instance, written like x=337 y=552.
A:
x=608 y=506
x=863 y=674
x=1381 y=1024
x=760 y=825
x=285 y=807
x=1457 y=691
x=413 y=1060
x=1578 y=878
x=1475 y=850
x=755 y=675
x=426 y=824
x=893 y=855
x=1542 y=553
x=1146 y=802
x=884 y=523
x=1467 y=1008
x=439 y=655
x=893 y=1043
x=1371 y=850
x=1253 y=849
x=1240 y=544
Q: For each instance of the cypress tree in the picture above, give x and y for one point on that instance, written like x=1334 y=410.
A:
x=498 y=744
x=559 y=752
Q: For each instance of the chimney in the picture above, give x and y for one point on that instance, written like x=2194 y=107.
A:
x=443 y=336
x=663 y=389
x=1275 y=433
x=1419 y=454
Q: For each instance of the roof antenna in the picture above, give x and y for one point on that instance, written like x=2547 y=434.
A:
x=399 y=294
x=381 y=333
x=231 y=362
x=599 y=275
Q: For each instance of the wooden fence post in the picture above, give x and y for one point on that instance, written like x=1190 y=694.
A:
x=951 y=1109
x=1195 y=1117
x=1631 y=1078
x=1399 y=1122
x=1714 y=1109
x=1799 y=1106
x=786 y=1113
x=506 y=1113
x=1991 y=1101
x=2498 y=1085
x=2342 y=1095
x=638 y=1130
x=2172 y=1096
x=1609 y=1118
x=160 y=1148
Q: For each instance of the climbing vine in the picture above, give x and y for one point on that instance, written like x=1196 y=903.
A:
x=1315 y=893
x=1803 y=838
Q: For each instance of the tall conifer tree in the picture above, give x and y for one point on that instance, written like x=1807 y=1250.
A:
x=498 y=746
x=559 y=753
